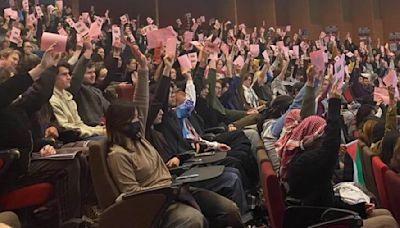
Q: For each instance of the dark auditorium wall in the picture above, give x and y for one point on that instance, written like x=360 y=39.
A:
x=381 y=16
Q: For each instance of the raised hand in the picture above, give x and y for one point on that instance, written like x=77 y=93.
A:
x=392 y=92
x=335 y=92
x=311 y=73
x=50 y=58
x=139 y=56
x=88 y=48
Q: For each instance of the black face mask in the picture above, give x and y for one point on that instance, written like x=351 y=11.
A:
x=132 y=130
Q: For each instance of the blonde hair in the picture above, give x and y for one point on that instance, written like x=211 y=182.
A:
x=7 y=52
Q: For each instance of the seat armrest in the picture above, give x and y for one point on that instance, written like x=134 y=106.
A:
x=209 y=136
x=7 y=158
x=215 y=130
x=186 y=155
x=157 y=190
x=350 y=221
x=306 y=216
x=138 y=209
x=177 y=171
x=335 y=213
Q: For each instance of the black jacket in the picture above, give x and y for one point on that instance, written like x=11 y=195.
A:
x=310 y=172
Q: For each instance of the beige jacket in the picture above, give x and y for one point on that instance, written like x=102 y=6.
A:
x=66 y=113
x=138 y=167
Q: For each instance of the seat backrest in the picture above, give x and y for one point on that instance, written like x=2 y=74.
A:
x=392 y=181
x=7 y=160
x=104 y=185
x=348 y=96
x=366 y=159
x=273 y=196
x=125 y=92
x=379 y=169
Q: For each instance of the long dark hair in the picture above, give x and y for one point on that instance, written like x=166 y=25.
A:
x=278 y=106
x=118 y=115
x=389 y=144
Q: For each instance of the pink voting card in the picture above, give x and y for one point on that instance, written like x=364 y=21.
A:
x=254 y=50
x=170 y=46
x=280 y=44
x=317 y=59
x=381 y=93
x=188 y=36
x=296 y=51
x=94 y=31
x=391 y=78
x=62 y=32
x=116 y=36
x=239 y=61
x=266 y=56
x=339 y=68
x=159 y=37
x=49 y=39
x=225 y=49
x=11 y=13
x=15 y=35
x=213 y=56
x=81 y=28
x=185 y=63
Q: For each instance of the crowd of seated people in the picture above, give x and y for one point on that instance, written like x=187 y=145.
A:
x=159 y=103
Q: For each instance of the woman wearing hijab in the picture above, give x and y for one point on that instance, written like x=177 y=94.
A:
x=135 y=164
x=311 y=169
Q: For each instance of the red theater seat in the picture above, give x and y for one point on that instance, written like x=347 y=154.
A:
x=379 y=169
x=272 y=194
x=125 y=92
x=34 y=195
x=392 y=181
x=23 y=197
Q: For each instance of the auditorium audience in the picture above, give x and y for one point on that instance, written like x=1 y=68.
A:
x=162 y=97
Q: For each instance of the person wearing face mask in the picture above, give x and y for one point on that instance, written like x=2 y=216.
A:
x=310 y=170
x=135 y=164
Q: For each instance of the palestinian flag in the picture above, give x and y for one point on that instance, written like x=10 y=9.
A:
x=354 y=151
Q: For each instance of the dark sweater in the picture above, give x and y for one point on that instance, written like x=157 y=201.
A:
x=90 y=100
x=310 y=172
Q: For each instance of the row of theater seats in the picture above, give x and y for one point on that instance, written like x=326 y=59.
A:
x=145 y=209
x=381 y=181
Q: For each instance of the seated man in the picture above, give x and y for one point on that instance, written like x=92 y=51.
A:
x=228 y=184
x=90 y=100
x=64 y=107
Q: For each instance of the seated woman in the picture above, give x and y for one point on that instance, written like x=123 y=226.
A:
x=136 y=165
x=312 y=167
